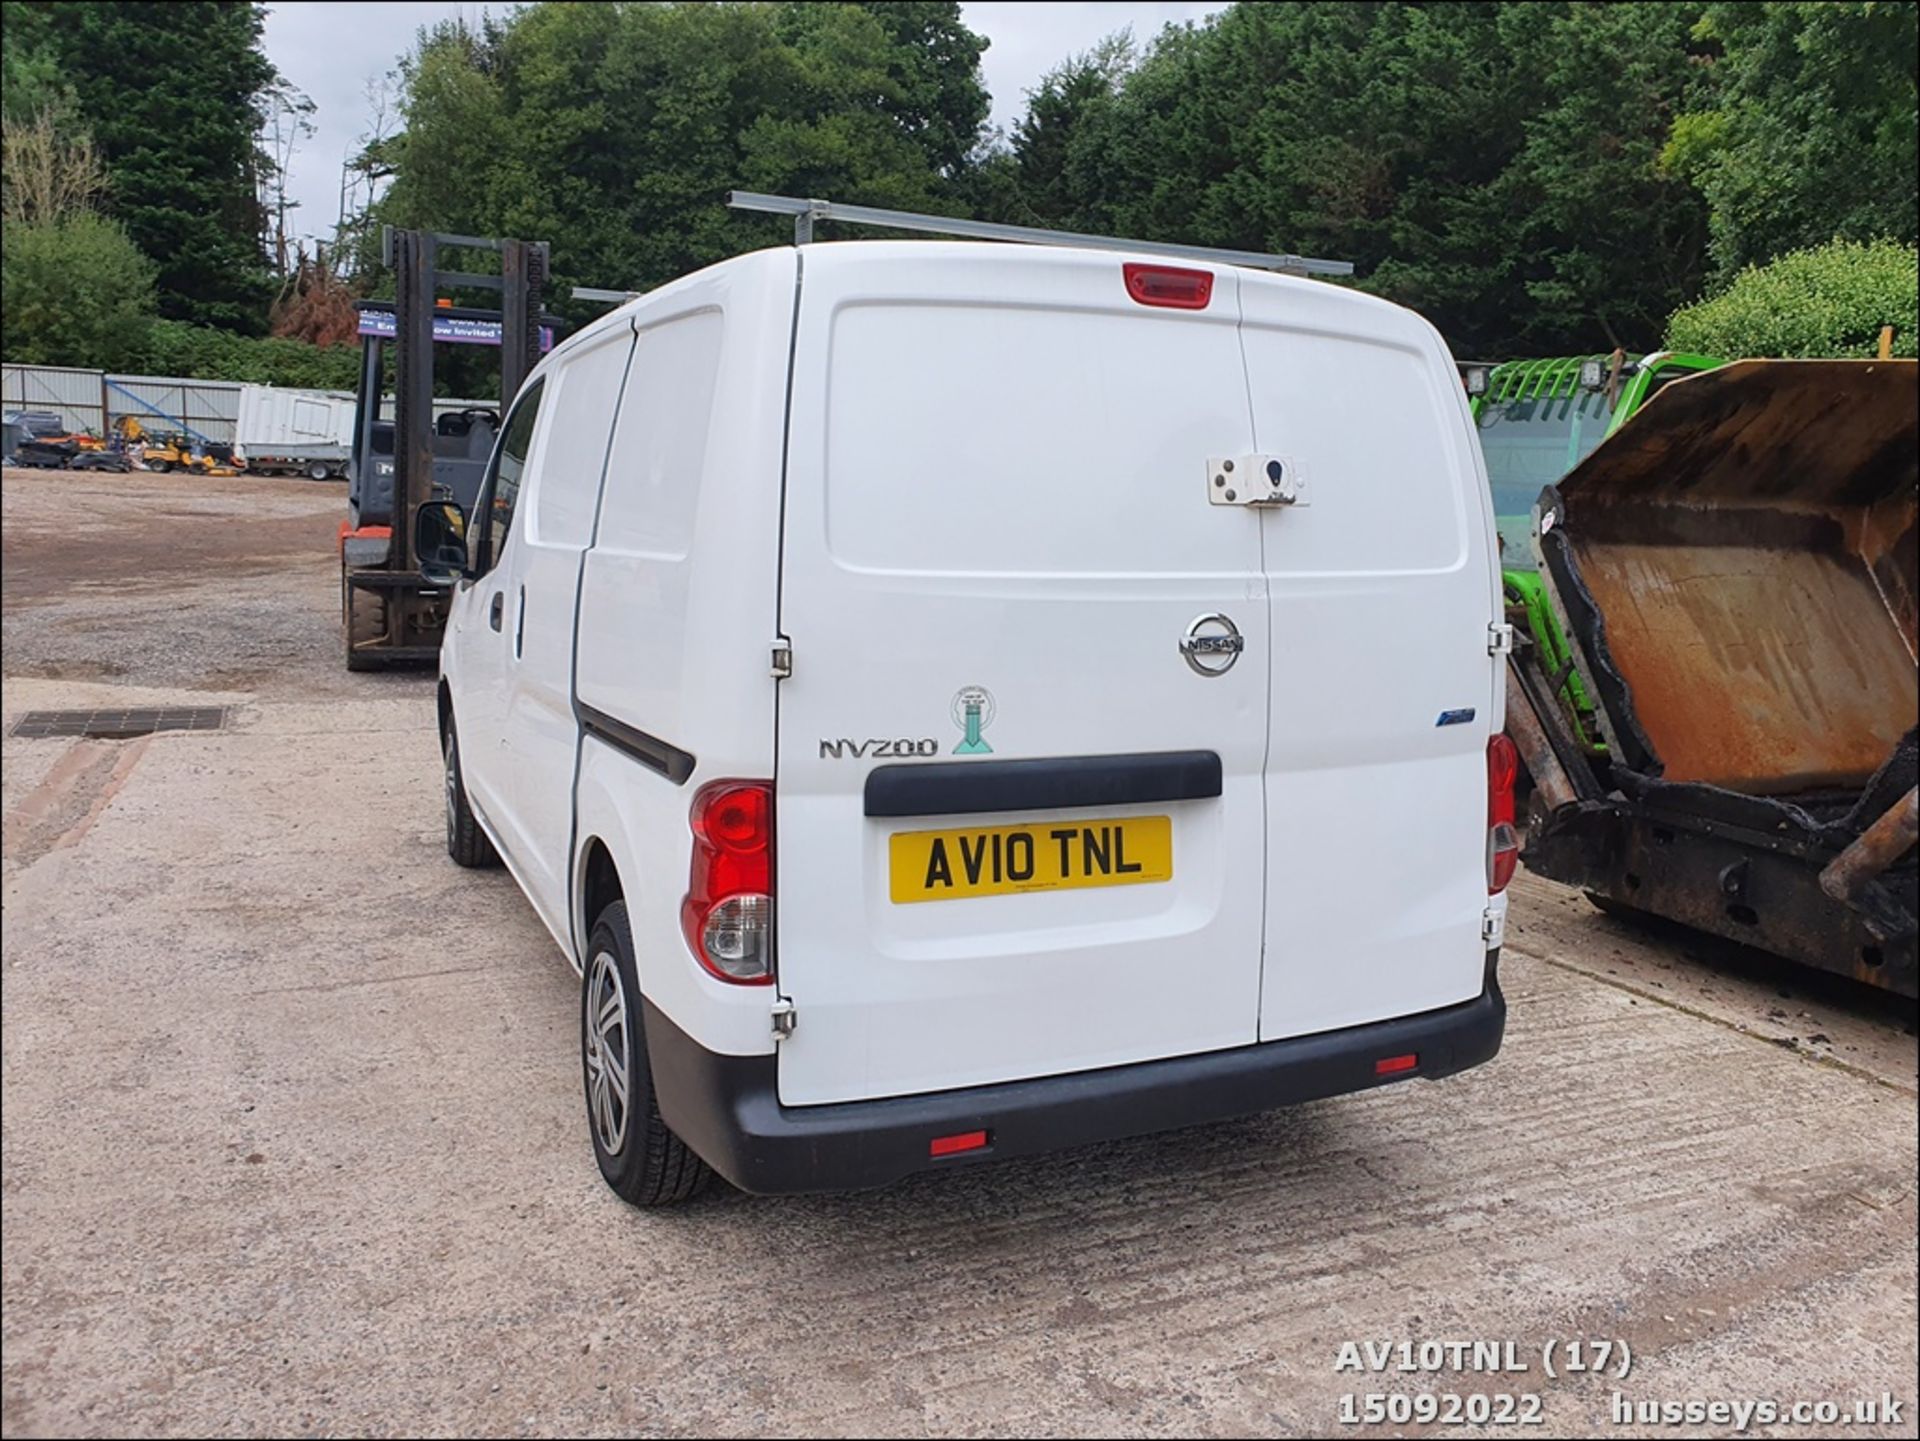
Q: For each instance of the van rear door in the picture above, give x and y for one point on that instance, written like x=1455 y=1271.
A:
x=996 y=537
x=1384 y=691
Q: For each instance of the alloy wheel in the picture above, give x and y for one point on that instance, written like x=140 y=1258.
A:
x=607 y=1053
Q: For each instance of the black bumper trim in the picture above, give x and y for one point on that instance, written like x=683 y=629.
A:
x=1042 y=784
x=727 y=1107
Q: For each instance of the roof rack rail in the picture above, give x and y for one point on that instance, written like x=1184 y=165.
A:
x=807 y=213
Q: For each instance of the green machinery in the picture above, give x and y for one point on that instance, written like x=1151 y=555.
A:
x=1537 y=420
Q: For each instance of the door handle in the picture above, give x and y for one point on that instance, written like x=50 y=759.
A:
x=493 y=611
x=519 y=621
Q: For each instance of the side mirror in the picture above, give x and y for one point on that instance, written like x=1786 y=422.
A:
x=440 y=541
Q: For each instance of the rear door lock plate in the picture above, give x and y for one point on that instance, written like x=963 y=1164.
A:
x=1259 y=480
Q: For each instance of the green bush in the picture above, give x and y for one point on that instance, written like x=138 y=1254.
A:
x=73 y=291
x=77 y=291
x=177 y=348
x=1828 y=301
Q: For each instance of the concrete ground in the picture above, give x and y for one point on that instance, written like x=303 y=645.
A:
x=293 y=1138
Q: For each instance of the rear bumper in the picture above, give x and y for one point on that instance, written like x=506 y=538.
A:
x=727 y=1107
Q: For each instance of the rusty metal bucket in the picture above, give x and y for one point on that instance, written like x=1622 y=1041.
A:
x=1735 y=570
x=1743 y=574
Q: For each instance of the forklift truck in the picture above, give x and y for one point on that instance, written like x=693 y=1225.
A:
x=389 y=614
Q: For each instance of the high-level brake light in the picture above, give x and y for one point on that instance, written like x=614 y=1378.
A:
x=1168 y=285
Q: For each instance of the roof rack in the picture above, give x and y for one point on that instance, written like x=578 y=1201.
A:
x=807 y=213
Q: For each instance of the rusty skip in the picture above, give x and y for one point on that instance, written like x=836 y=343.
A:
x=1735 y=568
x=1745 y=550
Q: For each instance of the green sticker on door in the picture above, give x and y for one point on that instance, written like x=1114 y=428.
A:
x=973 y=713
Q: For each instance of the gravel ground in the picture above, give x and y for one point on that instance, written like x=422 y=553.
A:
x=293 y=1137
x=178 y=580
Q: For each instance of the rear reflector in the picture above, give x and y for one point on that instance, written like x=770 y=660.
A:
x=1169 y=285
x=1394 y=1065
x=952 y=1145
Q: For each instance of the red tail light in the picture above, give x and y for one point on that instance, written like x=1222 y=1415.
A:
x=1503 y=841
x=728 y=913
x=1169 y=285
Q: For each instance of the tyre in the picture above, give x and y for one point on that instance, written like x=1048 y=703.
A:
x=643 y=1161
x=466 y=842
x=318 y=471
x=365 y=620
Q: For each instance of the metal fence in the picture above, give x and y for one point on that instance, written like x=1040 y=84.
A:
x=78 y=397
x=91 y=400
x=205 y=409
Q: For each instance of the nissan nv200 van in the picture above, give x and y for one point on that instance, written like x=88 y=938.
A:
x=953 y=701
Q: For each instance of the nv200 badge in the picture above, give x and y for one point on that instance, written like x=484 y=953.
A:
x=877 y=749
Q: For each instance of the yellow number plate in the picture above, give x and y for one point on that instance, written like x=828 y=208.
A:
x=1041 y=856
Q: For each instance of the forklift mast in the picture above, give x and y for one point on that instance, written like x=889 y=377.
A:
x=388 y=611
x=414 y=257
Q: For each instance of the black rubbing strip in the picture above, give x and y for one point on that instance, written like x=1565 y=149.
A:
x=672 y=762
x=976 y=787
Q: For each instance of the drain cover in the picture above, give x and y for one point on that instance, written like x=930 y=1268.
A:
x=115 y=725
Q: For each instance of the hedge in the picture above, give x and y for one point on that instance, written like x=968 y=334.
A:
x=176 y=348
x=1830 y=301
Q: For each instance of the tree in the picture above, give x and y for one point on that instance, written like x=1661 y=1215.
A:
x=1059 y=110
x=1605 y=240
x=364 y=175
x=1810 y=126
x=316 y=304
x=1828 y=301
x=615 y=131
x=30 y=81
x=47 y=171
x=1495 y=166
x=1539 y=178
x=73 y=291
x=287 y=122
x=172 y=94
x=933 y=63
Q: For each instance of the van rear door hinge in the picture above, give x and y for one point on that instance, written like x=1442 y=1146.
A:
x=1499 y=638
x=1493 y=926
x=783 y=1019
x=782 y=662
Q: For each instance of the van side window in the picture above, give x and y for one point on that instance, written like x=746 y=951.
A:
x=582 y=402
x=500 y=493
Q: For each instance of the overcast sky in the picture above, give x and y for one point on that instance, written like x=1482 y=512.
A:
x=333 y=50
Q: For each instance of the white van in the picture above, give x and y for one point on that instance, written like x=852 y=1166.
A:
x=955 y=701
